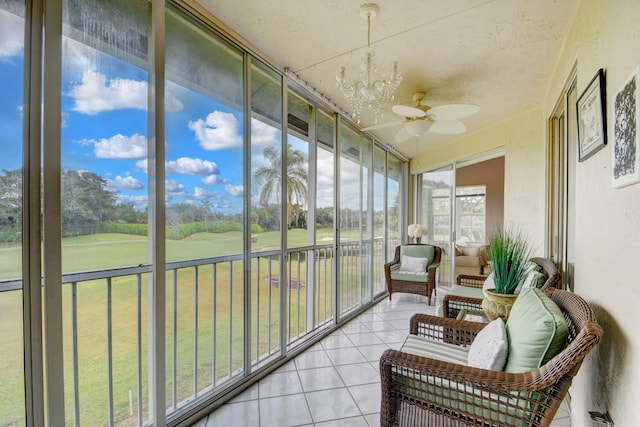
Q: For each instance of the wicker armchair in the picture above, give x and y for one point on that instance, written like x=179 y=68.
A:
x=467 y=292
x=420 y=391
x=420 y=284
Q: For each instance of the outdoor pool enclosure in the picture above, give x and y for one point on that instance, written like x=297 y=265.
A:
x=161 y=248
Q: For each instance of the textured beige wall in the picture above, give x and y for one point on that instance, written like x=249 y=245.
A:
x=523 y=141
x=606 y=34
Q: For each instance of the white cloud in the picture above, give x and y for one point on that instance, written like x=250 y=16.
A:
x=143 y=165
x=124 y=183
x=119 y=147
x=139 y=202
x=234 y=190
x=191 y=166
x=173 y=187
x=95 y=95
x=218 y=131
x=210 y=180
x=201 y=193
x=263 y=135
x=11 y=35
x=206 y=169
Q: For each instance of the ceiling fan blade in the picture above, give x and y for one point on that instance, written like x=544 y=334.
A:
x=402 y=135
x=448 y=127
x=453 y=111
x=406 y=111
x=384 y=125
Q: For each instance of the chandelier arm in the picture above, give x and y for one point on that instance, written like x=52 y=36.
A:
x=370 y=88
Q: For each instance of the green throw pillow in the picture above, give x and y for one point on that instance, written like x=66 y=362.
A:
x=536 y=330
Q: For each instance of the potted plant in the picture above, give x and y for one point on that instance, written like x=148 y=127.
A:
x=417 y=231
x=510 y=252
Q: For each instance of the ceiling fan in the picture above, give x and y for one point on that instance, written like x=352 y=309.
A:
x=422 y=118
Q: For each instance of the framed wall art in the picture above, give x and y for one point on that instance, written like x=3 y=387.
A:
x=592 y=118
x=626 y=163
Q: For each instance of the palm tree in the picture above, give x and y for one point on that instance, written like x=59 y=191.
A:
x=269 y=176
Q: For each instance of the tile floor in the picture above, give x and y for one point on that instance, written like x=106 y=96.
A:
x=335 y=382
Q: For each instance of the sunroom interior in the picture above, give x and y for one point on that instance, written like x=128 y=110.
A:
x=156 y=263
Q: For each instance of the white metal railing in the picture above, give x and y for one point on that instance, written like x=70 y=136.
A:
x=205 y=344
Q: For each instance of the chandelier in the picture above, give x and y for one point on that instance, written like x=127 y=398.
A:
x=371 y=87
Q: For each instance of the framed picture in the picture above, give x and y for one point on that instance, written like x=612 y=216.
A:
x=592 y=118
x=626 y=163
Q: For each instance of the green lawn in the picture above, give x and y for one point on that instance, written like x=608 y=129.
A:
x=112 y=250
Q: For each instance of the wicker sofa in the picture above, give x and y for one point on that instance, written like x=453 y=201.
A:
x=420 y=283
x=467 y=292
x=430 y=391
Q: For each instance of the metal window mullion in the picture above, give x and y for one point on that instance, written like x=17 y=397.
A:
x=337 y=220
x=312 y=174
x=52 y=215
x=157 y=250
x=385 y=232
x=246 y=241
x=284 y=307
x=31 y=210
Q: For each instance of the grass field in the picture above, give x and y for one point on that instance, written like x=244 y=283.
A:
x=220 y=338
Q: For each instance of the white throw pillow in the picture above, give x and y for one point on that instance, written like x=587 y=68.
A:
x=471 y=251
x=489 y=349
x=413 y=264
x=488 y=284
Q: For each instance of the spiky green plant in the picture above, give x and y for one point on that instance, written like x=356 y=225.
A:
x=510 y=251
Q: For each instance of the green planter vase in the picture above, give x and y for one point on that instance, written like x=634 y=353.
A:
x=498 y=305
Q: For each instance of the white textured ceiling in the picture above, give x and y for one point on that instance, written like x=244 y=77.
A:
x=497 y=54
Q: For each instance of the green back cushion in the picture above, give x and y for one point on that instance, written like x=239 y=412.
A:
x=418 y=251
x=536 y=330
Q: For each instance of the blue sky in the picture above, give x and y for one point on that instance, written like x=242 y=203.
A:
x=104 y=130
x=104 y=127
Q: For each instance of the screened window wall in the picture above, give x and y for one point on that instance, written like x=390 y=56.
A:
x=178 y=262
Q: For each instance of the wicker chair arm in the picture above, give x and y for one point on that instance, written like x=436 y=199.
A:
x=390 y=264
x=549 y=268
x=445 y=329
x=470 y=281
x=433 y=266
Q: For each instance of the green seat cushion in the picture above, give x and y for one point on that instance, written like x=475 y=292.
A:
x=409 y=276
x=536 y=330
x=465 y=291
x=425 y=347
x=418 y=251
